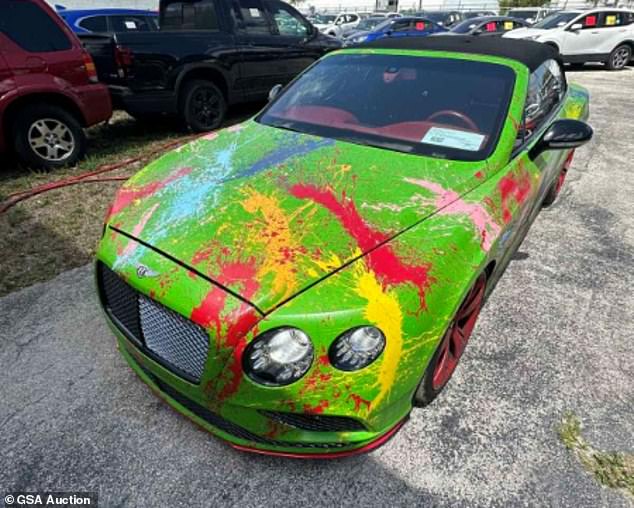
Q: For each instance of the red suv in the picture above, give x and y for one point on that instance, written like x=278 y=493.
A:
x=48 y=86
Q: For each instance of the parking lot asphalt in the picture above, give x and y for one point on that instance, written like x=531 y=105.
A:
x=555 y=336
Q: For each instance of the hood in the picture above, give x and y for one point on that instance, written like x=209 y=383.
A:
x=285 y=207
x=525 y=33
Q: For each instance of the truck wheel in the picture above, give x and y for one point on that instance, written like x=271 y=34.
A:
x=204 y=106
x=619 y=57
x=48 y=137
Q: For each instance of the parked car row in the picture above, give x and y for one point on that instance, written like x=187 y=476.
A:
x=194 y=60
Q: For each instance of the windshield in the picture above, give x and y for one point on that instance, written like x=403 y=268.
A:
x=465 y=26
x=446 y=108
x=522 y=14
x=556 y=20
x=369 y=23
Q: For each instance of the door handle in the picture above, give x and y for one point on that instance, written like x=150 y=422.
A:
x=594 y=33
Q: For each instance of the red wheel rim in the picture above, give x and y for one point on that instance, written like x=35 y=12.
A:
x=560 y=179
x=455 y=340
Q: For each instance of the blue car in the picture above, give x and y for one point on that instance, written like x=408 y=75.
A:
x=397 y=27
x=83 y=21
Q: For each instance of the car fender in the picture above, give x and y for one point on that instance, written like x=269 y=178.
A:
x=46 y=84
x=212 y=67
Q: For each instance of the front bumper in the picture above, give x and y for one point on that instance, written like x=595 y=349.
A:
x=313 y=445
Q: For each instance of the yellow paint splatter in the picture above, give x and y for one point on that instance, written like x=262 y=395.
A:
x=276 y=232
x=384 y=311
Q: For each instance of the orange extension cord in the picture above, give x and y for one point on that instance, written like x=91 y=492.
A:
x=89 y=177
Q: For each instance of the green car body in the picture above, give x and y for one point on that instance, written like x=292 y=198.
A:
x=255 y=228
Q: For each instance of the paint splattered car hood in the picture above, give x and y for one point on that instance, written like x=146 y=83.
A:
x=292 y=208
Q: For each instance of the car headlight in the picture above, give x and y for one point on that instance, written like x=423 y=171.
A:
x=278 y=357
x=532 y=37
x=357 y=348
x=358 y=40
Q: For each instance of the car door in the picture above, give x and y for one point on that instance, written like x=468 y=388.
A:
x=613 y=29
x=264 y=59
x=39 y=44
x=587 y=39
x=544 y=102
x=292 y=32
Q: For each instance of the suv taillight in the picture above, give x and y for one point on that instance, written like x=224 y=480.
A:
x=123 y=58
x=89 y=66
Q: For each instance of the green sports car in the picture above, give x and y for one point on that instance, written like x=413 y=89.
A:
x=297 y=283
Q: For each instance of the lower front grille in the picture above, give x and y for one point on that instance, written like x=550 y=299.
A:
x=318 y=423
x=225 y=425
x=164 y=335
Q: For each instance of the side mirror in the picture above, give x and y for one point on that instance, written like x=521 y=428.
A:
x=562 y=134
x=275 y=91
x=575 y=27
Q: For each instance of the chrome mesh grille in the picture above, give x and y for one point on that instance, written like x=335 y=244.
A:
x=174 y=339
x=164 y=335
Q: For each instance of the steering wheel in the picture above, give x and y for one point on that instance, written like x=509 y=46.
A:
x=455 y=114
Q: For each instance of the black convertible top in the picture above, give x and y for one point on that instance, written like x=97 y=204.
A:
x=530 y=53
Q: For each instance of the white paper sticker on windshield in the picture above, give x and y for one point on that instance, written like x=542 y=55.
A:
x=453 y=139
x=255 y=13
x=130 y=25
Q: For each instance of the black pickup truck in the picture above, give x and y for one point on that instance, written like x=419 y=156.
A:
x=207 y=55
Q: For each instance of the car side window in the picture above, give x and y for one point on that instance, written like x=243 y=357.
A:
x=546 y=90
x=590 y=21
x=192 y=15
x=610 y=19
x=400 y=26
x=131 y=24
x=31 y=28
x=95 y=24
x=287 y=20
x=253 y=17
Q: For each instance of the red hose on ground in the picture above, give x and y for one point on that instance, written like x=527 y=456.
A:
x=16 y=197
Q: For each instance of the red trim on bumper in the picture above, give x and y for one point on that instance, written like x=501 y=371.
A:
x=373 y=445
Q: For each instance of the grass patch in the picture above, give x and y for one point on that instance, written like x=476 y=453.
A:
x=59 y=230
x=612 y=469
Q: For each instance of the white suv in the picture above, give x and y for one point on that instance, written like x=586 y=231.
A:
x=343 y=24
x=599 y=35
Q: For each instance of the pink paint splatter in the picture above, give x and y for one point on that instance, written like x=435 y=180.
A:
x=449 y=203
x=128 y=195
x=136 y=231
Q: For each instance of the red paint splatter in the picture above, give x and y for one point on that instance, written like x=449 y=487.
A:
x=383 y=261
x=358 y=400
x=518 y=188
x=316 y=378
x=316 y=409
x=238 y=322
x=127 y=195
x=479 y=175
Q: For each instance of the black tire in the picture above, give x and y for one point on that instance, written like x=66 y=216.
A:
x=619 y=58
x=203 y=107
x=427 y=389
x=64 y=145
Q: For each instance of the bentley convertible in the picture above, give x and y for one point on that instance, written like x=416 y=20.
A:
x=298 y=283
